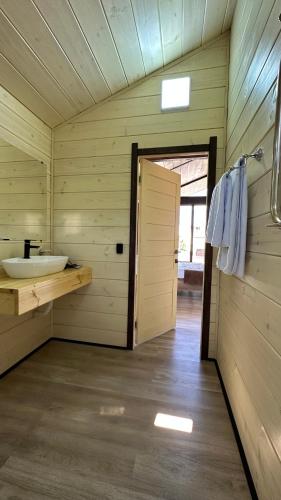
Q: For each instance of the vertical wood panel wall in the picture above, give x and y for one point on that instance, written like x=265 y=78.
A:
x=24 y=213
x=92 y=185
x=249 y=340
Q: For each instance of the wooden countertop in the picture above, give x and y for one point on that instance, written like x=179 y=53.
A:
x=17 y=296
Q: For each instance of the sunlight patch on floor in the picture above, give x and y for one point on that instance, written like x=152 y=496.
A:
x=173 y=422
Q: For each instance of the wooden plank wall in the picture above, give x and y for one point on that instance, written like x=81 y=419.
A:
x=249 y=341
x=22 y=129
x=92 y=184
x=25 y=202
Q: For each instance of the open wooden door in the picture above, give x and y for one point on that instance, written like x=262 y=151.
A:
x=158 y=225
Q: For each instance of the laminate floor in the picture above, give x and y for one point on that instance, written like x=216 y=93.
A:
x=189 y=313
x=77 y=423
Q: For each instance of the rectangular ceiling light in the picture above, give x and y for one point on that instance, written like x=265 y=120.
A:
x=175 y=93
x=174 y=423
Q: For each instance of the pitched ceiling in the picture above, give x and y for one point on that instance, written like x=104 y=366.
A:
x=58 y=57
x=193 y=172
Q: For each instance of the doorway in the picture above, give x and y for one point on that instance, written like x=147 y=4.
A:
x=191 y=261
x=173 y=158
x=193 y=172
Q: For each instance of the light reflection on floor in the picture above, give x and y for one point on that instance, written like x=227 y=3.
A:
x=173 y=422
x=115 y=411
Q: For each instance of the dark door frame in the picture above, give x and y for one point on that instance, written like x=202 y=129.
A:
x=193 y=200
x=211 y=150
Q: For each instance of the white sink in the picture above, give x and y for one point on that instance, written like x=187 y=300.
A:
x=42 y=265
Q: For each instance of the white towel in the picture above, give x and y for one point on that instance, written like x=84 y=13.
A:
x=215 y=227
x=239 y=259
x=227 y=213
x=231 y=259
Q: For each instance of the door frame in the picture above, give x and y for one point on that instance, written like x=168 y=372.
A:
x=210 y=150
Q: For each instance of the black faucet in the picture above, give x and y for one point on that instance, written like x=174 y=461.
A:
x=27 y=248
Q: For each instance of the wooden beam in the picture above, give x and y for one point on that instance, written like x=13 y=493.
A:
x=193 y=200
x=194 y=180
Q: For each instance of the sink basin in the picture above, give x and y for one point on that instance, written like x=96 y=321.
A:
x=19 y=267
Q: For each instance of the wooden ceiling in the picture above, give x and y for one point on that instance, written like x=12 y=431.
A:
x=59 y=57
x=191 y=171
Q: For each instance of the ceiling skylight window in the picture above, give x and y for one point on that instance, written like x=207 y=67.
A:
x=175 y=93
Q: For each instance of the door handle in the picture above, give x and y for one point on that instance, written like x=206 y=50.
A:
x=176 y=261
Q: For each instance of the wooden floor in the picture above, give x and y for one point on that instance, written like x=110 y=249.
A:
x=77 y=422
x=189 y=313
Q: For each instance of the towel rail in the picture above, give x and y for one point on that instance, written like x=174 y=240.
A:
x=275 y=201
x=258 y=155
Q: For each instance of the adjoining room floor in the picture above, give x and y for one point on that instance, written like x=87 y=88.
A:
x=77 y=422
x=189 y=313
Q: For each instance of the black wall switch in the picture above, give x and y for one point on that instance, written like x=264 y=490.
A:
x=119 y=247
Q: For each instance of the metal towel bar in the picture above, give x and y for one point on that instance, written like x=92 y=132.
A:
x=275 y=202
x=258 y=155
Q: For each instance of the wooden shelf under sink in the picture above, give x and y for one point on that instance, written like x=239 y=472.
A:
x=18 y=296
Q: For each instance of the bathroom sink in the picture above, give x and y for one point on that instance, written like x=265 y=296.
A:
x=19 y=267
